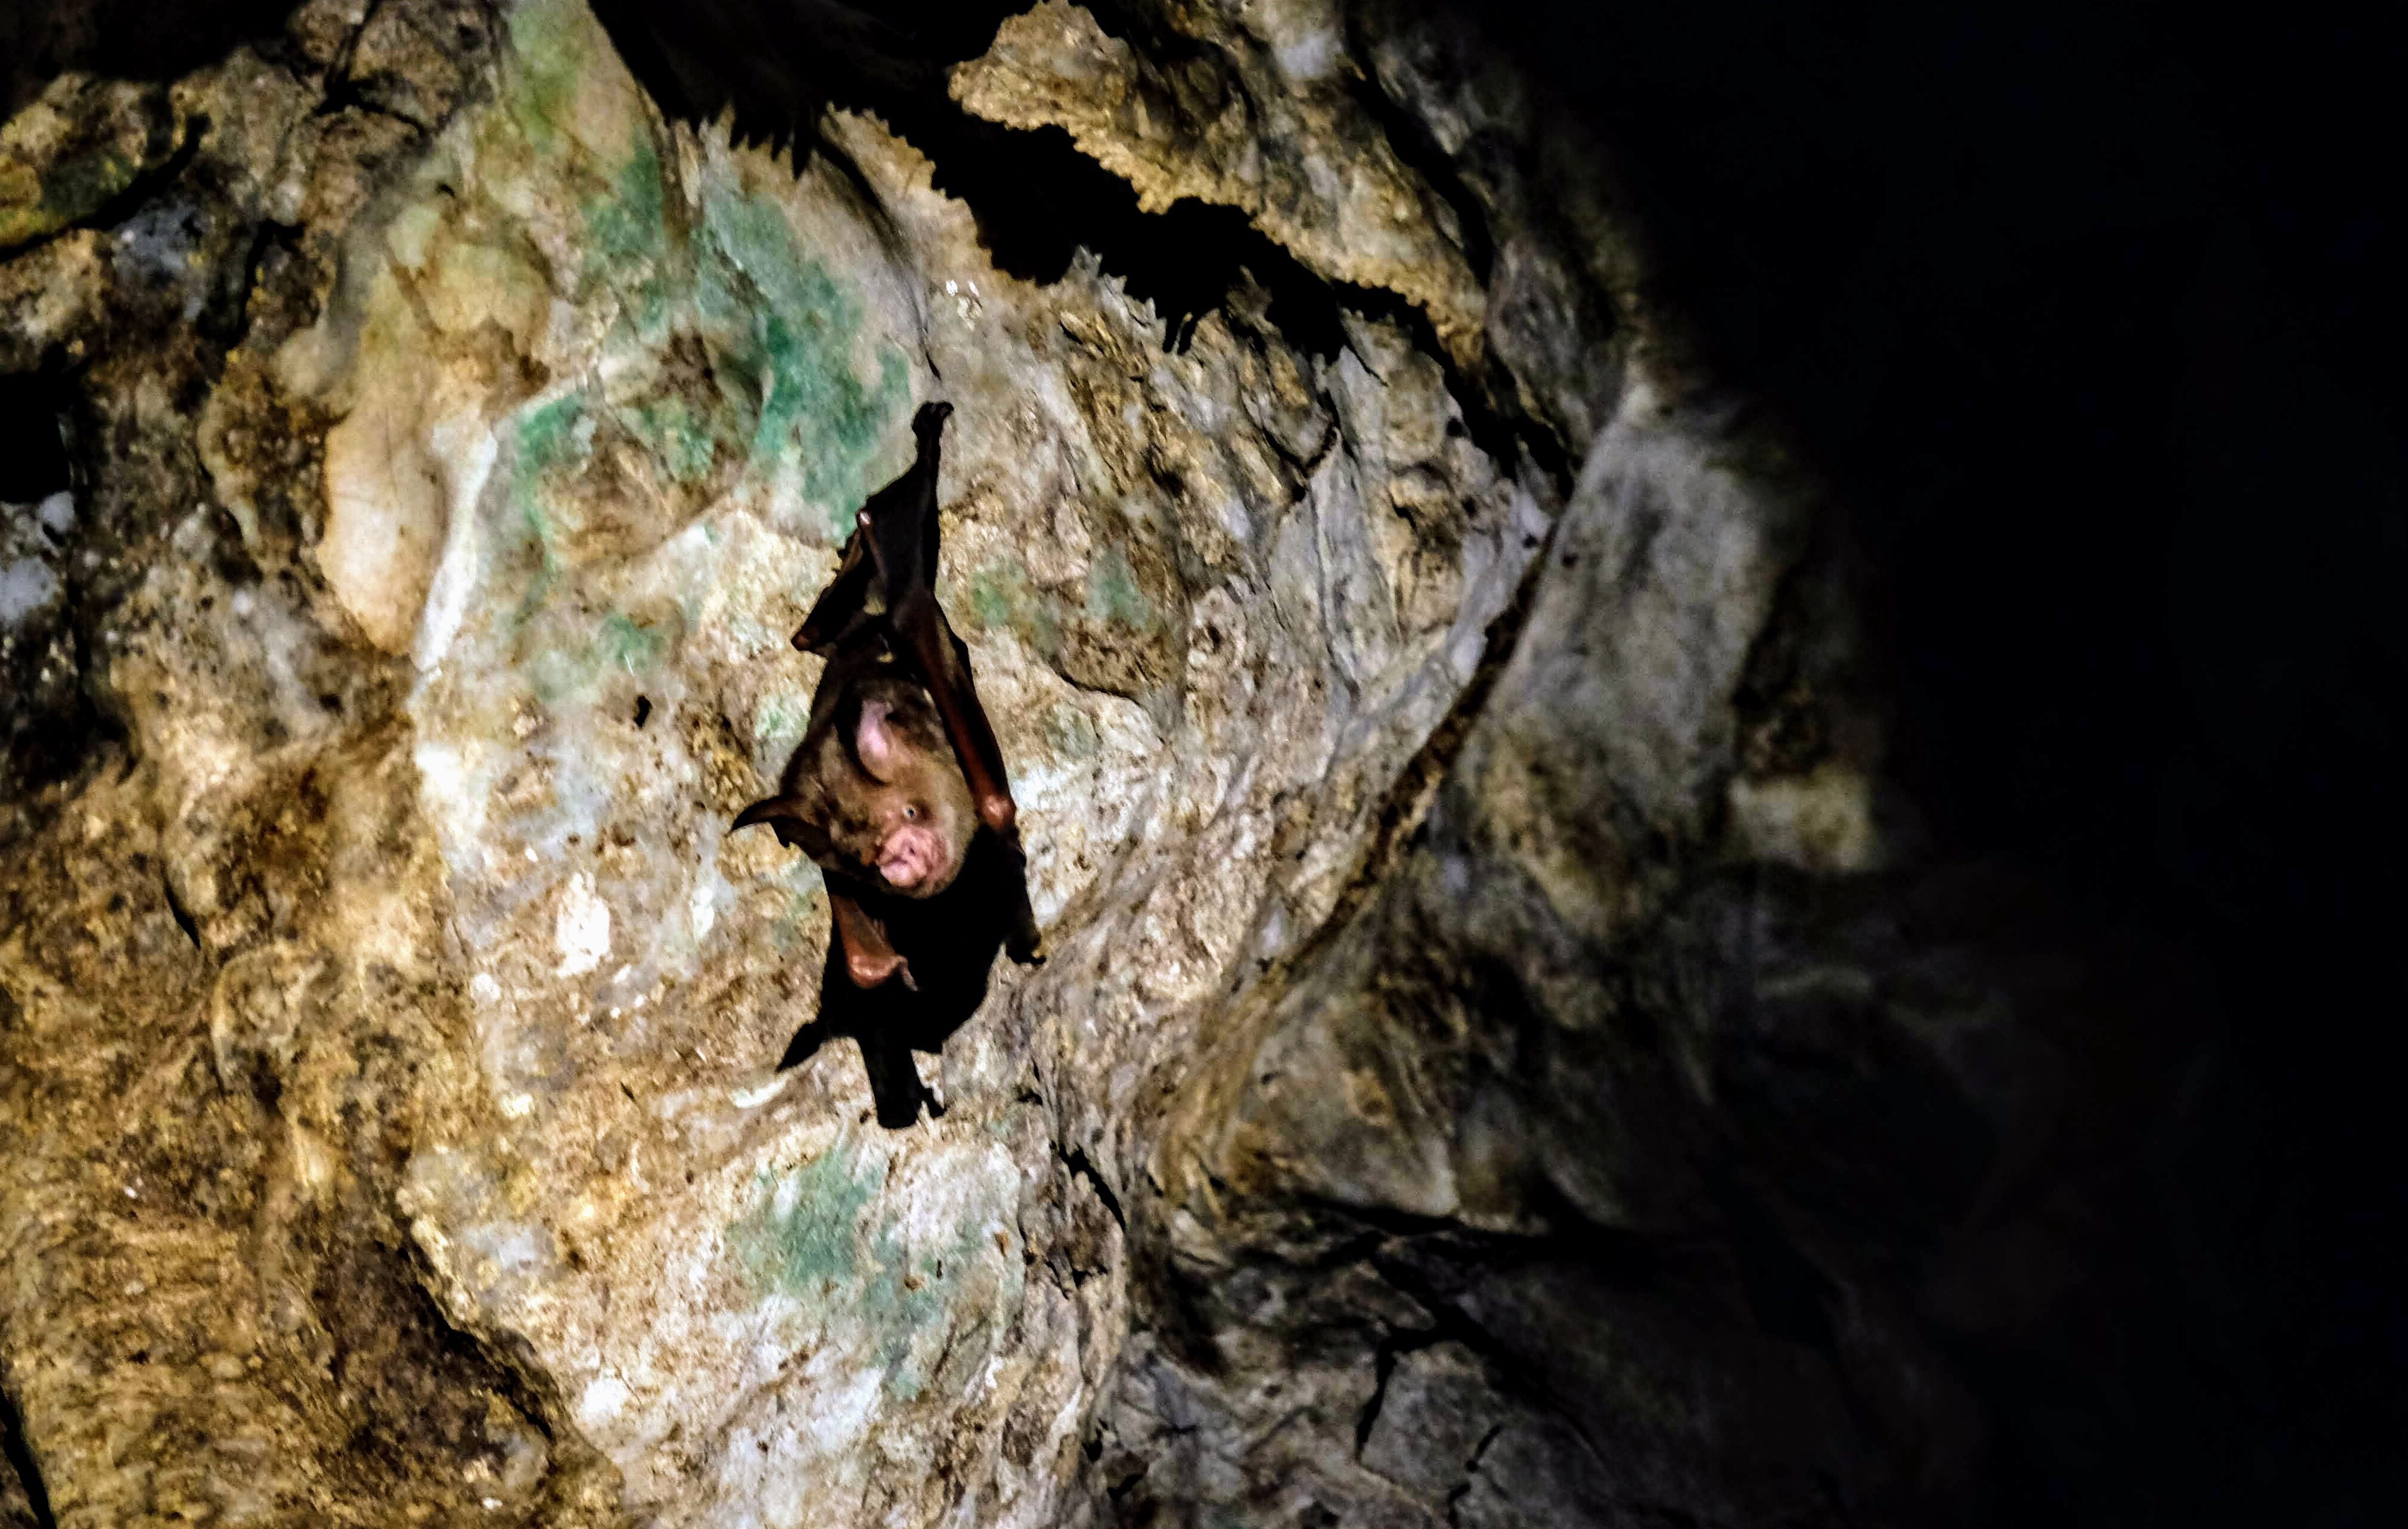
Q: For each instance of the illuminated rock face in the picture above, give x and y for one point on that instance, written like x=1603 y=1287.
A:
x=1423 y=730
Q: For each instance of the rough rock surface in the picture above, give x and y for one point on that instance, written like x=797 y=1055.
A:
x=1495 y=1003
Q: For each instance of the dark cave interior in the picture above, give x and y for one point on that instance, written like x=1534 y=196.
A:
x=2083 y=311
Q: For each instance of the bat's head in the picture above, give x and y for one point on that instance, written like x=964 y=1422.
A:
x=918 y=810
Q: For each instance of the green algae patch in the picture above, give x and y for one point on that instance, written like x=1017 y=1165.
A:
x=912 y=1298
x=1003 y=599
x=551 y=436
x=804 y=1238
x=548 y=42
x=736 y=361
x=991 y=597
x=1113 y=593
x=631 y=645
x=806 y=894
x=79 y=187
x=567 y=665
x=793 y=332
x=630 y=224
x=781 y=719
x=678 y=436
x=795 y=381
x=925 y=1305
x=1072 y=732
x=627 y=242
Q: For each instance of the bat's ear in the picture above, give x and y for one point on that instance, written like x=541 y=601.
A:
x=931 y=418
x=875 y=742
x=770 y=810
x=786 y=816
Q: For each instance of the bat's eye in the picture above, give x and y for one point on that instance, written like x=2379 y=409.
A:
x=911 y=814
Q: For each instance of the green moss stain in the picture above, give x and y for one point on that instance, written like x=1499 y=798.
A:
x=780 y=721
x=558 y=675
x=630 y=224
x=551 y=434
x=753 y=238
x=991 y=598
x=912 y=1298
x=793 y=387
x=547 y=43
x=80 y=185
x=554 y=436
x=565 y=661
x=805 y=1236
x=1072 y=732
x=812 y=1235
x=792 y=332
x=628 y=245
x=736 y=359
x=1113 y=594
x=908 y=1298
x=76 y=187
x=563 y=655
x=1002 y=598
x=39 y=201
x=629 y=645
x=678 y=436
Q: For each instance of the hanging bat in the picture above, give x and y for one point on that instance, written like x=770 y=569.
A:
x=898 y=772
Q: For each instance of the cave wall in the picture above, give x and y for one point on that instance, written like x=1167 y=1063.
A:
x=1508 y=1054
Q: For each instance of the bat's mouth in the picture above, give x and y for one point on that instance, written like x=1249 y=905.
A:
x=913 y=860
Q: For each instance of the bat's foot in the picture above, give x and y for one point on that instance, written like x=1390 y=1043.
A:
x=1027 y=949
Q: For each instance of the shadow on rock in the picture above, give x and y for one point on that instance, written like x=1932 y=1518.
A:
x=951 y=941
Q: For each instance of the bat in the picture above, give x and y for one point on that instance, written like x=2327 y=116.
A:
x=899 y=771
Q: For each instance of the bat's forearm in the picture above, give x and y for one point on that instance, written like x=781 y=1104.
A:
x=869 y=958
x=966 y=722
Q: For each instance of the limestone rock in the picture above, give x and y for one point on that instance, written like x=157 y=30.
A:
x=1259 y=118
x=85 y=142
x=1490 y=969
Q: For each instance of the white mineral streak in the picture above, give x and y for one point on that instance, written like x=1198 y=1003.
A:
x=581 y=932
x=26 y=586
x=454 y=582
